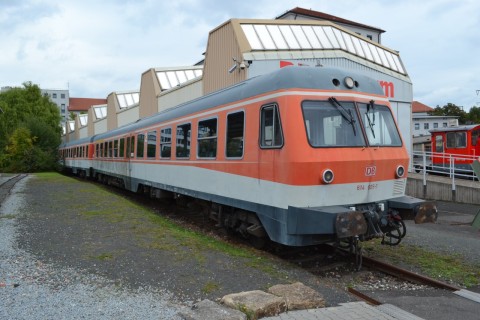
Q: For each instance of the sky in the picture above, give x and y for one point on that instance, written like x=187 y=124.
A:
x=96 y=47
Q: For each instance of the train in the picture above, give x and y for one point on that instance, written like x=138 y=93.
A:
x=455 y=148
x=299 y=156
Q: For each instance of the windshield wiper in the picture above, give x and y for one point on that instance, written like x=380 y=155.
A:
x=346 y=114
x=370 y=122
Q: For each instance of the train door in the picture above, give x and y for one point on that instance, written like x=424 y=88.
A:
x=129 y=154
x=438 y=149
x=271 y=139
x=476 y=142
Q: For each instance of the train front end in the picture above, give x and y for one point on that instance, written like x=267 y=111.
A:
x=349 y=166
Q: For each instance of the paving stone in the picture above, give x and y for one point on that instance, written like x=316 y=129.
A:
x=207 y=309
x=298 y=296
x=256 y=304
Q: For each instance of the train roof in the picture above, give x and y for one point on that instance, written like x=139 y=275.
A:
x=457 y=128
x=284 y=78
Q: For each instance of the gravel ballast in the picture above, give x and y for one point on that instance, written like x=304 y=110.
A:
x=48 y=292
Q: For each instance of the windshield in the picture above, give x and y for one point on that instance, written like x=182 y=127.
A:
x=379 y=125
x=335 y=123
x=332 y=124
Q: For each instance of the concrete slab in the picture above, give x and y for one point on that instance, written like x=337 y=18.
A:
x=207 y=309
x=255 y=304
x=298 y=296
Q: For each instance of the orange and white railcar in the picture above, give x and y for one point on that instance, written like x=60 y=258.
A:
x=301 y=155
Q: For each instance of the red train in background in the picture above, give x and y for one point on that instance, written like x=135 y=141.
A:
x=299 y=156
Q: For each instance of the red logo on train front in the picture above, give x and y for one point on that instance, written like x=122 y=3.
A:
x=370 y=171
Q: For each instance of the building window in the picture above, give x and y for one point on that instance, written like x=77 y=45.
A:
x=435 y=125
x=417 y=126
x=271 y=129
x=62 y=95
x=152 y=144
x=183 y=140
x=207 y=138
x=166 y=143
x=369 y=36
x=54 y=96
x=63 y=107
x=445 y=124
x=235 y=129
x=426 y=126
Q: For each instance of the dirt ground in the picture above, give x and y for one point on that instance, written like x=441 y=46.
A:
x=72 y=223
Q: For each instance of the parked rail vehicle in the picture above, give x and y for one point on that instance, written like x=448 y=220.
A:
x=455 y=146
x=301 y=156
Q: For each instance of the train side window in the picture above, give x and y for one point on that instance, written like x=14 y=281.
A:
x=475 y=137
x=271 y=135
x=115 y=148
x=110 y=149
x=456 y=140
x=439 y=143
x=121 y=148
x=140 y=145
x=183 y=140
x=152 y=144
x=235 y=132
x=207 y=138
x=166 y=143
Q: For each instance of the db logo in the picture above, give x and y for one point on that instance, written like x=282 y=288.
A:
x=370 y=171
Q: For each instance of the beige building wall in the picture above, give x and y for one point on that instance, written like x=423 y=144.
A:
x=175 y=96
x=100 y=126
x=149 y=91
x=127 y=116
x=112 y=109
x=223 y=45
x=90 y=126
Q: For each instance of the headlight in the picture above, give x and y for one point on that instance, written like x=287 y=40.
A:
x=327 y=176
x=400 y=171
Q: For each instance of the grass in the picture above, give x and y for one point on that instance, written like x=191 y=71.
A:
x=449 y=267
x=210 y=287
x=151 y=230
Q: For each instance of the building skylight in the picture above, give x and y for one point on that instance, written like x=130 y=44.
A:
x=100 y=111
x=126 y=100
x=173 y=78
x=270 y=37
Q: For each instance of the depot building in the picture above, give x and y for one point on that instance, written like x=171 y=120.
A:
x=240 y=49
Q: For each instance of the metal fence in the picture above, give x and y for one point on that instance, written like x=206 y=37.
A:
x=452 y=165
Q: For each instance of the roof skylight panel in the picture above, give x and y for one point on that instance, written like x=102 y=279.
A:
x=277 y=36
x=264 y=36
x=358 y=47
x=198 y=73
x=331 y=37
x=181 y=76
x=398 y=63
x=383 y=57
x=172 y=78
x=289 y=37
x=301 y=37
x=121 y=101
x=349 y=43
x=83 y=118
x=376 y=56
x=312 y=37
x=391 y=61
x=163 y=80
x=339 y=36
x=129 y=99
x=322 y=37
x=252 y=37
x=366 y=49
x=71 y=125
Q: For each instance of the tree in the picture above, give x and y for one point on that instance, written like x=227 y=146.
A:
x=450 y=110
x=28 y=116
x=474 y=115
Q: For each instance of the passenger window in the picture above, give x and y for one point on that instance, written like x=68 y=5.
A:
x=140 y=145
x=183 y=141
x=121 y=149
x=271 y=130
x=235 y=132
x=152 y=144
x=207 y=139
x=110 y=149
x=166 y=143
x=115 y=148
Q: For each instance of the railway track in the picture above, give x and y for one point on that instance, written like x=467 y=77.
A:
x=7 y=183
